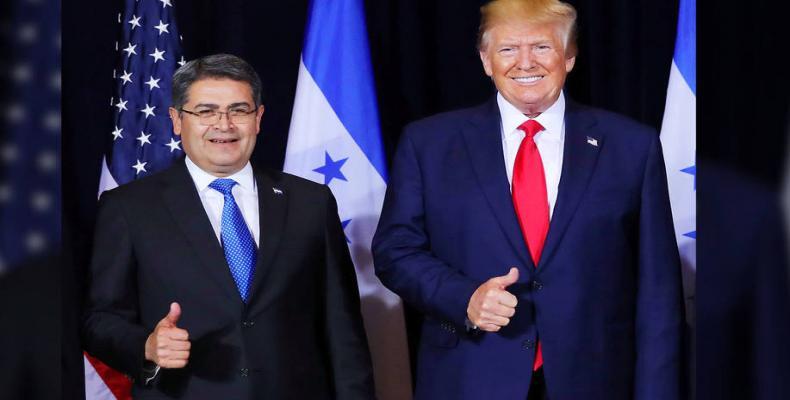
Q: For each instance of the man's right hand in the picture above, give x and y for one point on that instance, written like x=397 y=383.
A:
x=491 y=306
x=168 y=345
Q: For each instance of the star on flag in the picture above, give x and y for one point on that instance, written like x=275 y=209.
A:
x=331 y=169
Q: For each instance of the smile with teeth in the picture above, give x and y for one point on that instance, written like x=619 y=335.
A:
x=527 y=79
x=220 y=141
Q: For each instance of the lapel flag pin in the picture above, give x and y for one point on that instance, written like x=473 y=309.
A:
x=277 y=191
x=592 y=141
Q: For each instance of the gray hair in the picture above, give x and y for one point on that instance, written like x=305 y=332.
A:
x=214 y=66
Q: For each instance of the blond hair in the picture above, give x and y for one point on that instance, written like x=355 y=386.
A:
x=531 y=12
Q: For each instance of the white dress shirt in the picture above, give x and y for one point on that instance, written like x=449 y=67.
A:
x=245 y=193
x=549 y=141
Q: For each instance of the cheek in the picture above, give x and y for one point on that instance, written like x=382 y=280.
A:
x=251 y=139
x=505 y=66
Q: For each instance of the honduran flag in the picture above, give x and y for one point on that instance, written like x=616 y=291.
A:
x=678 y=138
x=335 y=140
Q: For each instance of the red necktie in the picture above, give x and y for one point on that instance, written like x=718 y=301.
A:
x=530 y=199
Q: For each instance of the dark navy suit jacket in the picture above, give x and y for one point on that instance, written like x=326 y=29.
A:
x=605 y=299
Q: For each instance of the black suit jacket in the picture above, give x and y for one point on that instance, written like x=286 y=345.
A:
x=299 y=337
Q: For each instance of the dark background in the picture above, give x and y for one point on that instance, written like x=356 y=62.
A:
x=424 y=57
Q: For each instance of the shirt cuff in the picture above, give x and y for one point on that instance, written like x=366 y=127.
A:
x=150 y=372
x=470 y=327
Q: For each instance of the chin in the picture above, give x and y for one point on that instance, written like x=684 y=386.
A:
x=225 y=165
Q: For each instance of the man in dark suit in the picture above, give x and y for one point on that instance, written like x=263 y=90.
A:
x=534 y=234
x=214 y=279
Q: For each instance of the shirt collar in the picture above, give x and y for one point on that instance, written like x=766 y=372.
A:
x=244 y=177
x=552 y=119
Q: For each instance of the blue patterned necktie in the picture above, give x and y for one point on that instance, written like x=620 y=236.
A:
x=239 y=246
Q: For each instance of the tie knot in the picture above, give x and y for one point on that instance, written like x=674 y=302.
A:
x=223 y=186
x=531 y=127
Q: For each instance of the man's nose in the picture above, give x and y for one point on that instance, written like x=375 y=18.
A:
x=224 y=121
x=525 y=59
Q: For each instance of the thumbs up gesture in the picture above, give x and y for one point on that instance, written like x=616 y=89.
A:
x=491 y=305
x=168 y=345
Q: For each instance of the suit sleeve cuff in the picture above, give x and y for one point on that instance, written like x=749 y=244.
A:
x=149 y=371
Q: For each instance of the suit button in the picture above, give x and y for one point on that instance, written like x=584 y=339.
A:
x=528 y=344
x=448 y=327
x=247 y=324
x=244 y=372
x=537 y=285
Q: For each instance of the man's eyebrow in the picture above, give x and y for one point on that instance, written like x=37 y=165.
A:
x=207 y=105
x=216 y=107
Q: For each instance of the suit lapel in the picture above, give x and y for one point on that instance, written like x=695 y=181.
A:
x=272 y=212
x=182 y=200
x=583 y=143
x=484 y=145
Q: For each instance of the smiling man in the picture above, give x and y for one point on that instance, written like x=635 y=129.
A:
x=534 y=233
x=217 y=280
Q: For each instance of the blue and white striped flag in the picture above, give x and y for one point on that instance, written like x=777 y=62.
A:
x=335 y=140
x=678 y=138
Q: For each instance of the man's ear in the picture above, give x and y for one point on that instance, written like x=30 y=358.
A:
x=176 y=120
x=569 y=63
x=486 y=60
x=258 y=119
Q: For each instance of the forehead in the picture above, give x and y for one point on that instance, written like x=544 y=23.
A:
x=219 y=91
x=525 y=32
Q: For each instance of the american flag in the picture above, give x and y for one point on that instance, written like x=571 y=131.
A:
x=29 y=131
x=143 y=141
x=149 y=51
